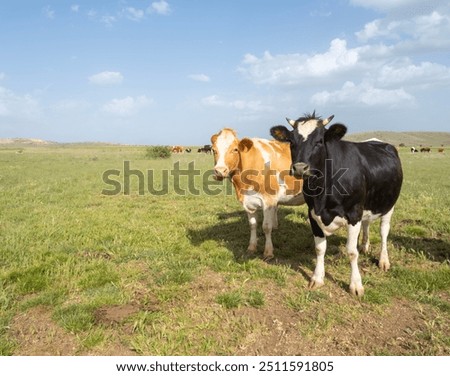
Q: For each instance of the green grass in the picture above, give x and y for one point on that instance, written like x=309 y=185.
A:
x=71 y=251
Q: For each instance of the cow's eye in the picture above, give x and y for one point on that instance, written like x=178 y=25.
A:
x=235 y=150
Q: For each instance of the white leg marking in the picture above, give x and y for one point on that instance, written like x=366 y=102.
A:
x=356 y=287
x=319 y=272
x=269 y=214
x=253 y=238
x=384 y=263
x=365 y=243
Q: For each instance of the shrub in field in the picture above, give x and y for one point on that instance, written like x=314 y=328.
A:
x=157 y=152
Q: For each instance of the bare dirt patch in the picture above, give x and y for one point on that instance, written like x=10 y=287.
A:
x=113 y=315
x=36 y=334
x=395 y=330
x=321 y=328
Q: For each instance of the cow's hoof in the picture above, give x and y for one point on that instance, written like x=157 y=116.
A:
x=268 y=253
x=357 y=290
x=384 y=265
x=315 y=283
x=267 y=257
x=251 y=248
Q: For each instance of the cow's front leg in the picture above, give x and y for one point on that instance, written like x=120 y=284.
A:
x=269 y=214
x=356 y=287
x=317 y=279
x=320 y=243
x=253 y=237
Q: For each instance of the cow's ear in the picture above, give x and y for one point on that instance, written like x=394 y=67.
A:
x=335 y=132
x=281 y=133
x=214 y=138
x=245 y=145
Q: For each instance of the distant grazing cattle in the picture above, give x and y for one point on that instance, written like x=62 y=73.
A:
x=188 y=150
x=440 y=150
x=425 y=150
x=177 y=149
x=345 y=184
x=259 y=170
x=207 y=149
x=414 y=150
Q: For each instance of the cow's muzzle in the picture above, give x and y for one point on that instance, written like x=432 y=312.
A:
x=220 y=173
x=300 y=170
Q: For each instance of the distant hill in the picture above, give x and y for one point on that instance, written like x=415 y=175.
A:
x=25 y=141
x=407 y=138
x=435 y=139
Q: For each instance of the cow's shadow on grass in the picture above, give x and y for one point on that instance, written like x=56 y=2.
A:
x=294 y=243
x=293 y=240
x=431 y=248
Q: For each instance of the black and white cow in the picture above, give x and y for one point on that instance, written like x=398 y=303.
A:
x=345 y=184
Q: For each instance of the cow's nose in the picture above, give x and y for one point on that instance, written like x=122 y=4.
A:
x=299 y=169
x=220 y=172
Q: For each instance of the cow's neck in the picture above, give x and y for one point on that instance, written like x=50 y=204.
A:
x=316 y=188
x=238 y=185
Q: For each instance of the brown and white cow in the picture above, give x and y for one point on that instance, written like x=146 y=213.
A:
x=177 y=149
x=259 y=170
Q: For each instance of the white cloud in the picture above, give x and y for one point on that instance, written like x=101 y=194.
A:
x=75 y=8
x=134 y=14
x=424 y=74
x=386 y=5
x=377 y=29
x=127 y=106
x=296 y=68
x=199 y=77
x=160 y=7
x=106 y=78
x=363 y=94
x=108 y=20
x=2 y=76
x=427 y=31
x=243 y=105
x=49 y=12
x=130 y=13
x=17 y=106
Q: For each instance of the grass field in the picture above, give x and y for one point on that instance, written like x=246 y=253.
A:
x=85 y=273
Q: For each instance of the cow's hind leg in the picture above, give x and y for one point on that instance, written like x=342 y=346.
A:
x=384 y=263
x=269 y=214
x=275 y=218
x=252 y=220
x=365 y=242
x=356 y=287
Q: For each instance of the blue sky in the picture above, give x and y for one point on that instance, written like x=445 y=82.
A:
x=175 y=72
